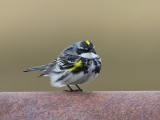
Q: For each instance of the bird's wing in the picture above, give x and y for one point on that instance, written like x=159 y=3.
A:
x=65 y=62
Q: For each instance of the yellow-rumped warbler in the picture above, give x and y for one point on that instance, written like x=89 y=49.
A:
x=76 y=65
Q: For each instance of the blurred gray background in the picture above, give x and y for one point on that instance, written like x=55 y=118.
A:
x=126 y=35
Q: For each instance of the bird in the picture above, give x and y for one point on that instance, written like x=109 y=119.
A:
x=77 y=64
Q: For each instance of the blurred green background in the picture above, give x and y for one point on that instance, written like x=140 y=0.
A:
x=126 y=35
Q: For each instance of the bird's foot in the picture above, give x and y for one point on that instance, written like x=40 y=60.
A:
x=76 y=90
x=72 y=90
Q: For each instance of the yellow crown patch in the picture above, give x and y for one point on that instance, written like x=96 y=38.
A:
x=88 y=43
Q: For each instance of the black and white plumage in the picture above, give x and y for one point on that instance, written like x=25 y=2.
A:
x=76 y=65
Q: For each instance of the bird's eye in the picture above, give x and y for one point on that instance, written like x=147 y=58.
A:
x=81 y=48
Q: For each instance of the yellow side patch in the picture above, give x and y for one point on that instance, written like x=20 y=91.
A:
x=88 y=43
x=76 y=65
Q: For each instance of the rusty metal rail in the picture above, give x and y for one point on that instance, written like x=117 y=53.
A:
x=80 y=105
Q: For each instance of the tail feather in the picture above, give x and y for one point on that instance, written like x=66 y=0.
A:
x=38 y=68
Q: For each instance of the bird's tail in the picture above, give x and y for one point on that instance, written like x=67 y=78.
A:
x=38 y=68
